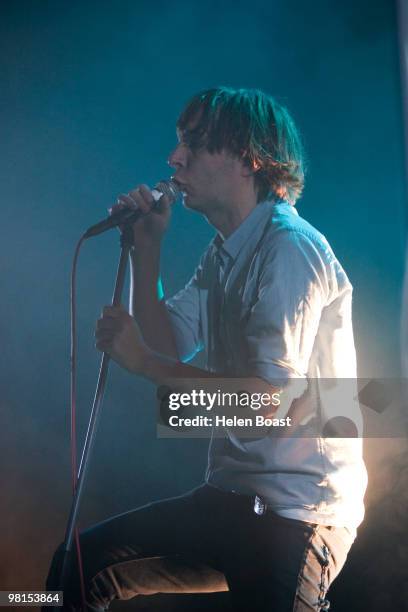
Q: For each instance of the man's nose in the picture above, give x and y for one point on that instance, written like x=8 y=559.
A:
x=177 y=157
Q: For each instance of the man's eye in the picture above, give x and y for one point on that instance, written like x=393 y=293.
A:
x=194 y=143
x=194 y=140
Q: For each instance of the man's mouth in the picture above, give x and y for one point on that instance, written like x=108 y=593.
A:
x=182 y=186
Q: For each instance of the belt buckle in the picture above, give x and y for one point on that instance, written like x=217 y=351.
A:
x=260 y=506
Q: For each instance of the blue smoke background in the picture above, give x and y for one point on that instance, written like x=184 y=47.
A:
x=89 y=98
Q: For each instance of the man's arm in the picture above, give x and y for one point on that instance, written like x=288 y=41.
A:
x=147 y=306
x=119 y=335
x=146 y=303
x=170 y=328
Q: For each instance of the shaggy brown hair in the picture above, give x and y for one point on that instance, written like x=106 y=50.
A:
x=253 y=126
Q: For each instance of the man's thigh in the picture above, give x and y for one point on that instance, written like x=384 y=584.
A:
x=282 y=564
x=160 y=547
x=168 y=526
x=270 y=562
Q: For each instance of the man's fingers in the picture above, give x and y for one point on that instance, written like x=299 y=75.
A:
x=127 y=201
x=115 y=209
x=138 y=199
x=113 y=324
x=103 y=345
x=163 y=204
x=104 y=335
x=147 y=194
x=113 y=311
x=104 y=339
x=143 y=198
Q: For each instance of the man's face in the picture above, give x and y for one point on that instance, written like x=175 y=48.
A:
x=209 y=181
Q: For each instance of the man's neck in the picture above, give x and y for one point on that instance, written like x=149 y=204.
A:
x=227 y=219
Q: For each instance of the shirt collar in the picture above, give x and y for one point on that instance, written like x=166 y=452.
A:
x=251 y=227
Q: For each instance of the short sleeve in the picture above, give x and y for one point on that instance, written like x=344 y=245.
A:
x=283 y=322
x=184 y=311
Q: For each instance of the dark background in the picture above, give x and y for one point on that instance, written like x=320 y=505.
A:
x=90 y=92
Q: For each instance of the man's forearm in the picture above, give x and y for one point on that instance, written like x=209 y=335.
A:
x=146 y=305
x=119 y=334
x=183 y=378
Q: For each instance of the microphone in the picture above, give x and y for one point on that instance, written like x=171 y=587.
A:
x=165 y=187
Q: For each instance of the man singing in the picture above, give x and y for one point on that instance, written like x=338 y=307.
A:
x=268 y=304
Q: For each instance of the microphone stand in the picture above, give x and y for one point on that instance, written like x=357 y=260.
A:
x=126 y=243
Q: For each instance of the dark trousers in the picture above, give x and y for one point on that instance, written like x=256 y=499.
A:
x=208 y=540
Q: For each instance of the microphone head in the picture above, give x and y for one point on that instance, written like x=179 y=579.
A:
x=169 y=188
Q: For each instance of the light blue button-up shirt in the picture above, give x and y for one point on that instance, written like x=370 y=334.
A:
x=272 y=301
